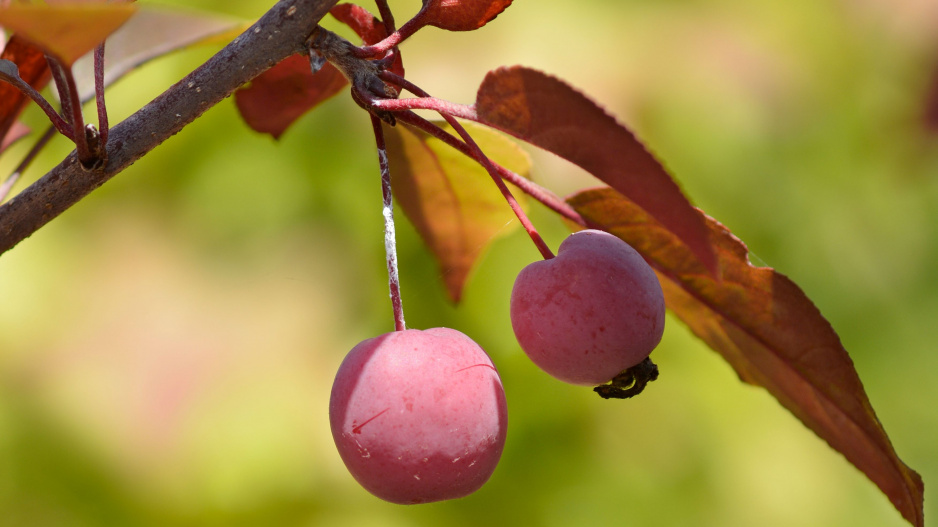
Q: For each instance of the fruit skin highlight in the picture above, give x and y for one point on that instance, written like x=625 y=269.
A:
x=419 y=416
x=589 y=313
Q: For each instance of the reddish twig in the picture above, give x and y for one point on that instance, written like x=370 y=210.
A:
x=71 y=107
x=394 y=39
x=99 y=94
x=11 y=76
x=481 y=158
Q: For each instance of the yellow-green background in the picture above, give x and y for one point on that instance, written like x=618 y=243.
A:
x=167 y=346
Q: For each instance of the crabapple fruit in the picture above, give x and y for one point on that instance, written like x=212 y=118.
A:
x=419 y=416
x=589 y=313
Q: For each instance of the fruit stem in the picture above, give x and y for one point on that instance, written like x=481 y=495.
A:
x=89 y=154
x=103 y=126
x=12 y=77
x=482 y=159
x=387 y=18
x=380 y=48
x=390 y=241
x=539 y=193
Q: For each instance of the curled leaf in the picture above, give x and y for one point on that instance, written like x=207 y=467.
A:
x=550 y=114
x=764 y=325
x=449 y=198
x=461 y=15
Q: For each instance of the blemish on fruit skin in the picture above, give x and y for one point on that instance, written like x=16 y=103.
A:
x=362 y=451
x=475 y=366
x=358 y=429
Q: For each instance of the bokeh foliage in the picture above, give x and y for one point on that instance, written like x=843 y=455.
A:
x=167 y=346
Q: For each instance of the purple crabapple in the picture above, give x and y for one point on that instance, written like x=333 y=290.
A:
x=419 y=416
x=591 y=312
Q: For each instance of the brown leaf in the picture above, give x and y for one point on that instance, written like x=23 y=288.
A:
x=33 y=69
x=282 y=94
x=462 y=15
x=66 y=30
x=772 y=335
x=550 y=114
x=449 y=198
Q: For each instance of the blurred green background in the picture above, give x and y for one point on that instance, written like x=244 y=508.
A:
x=167 y=346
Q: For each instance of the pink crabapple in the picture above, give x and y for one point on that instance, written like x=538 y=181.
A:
x=591 y=312
x=419 y=416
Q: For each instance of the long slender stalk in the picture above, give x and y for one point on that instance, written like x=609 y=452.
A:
x=539 y=193
x=103 y=127
x=60 y=124
x=71 y=107
x=390 y=238
x=406 y=31
x=481 y=158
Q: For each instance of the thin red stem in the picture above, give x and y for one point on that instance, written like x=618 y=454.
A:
x=60 y=124
x=387 y=18
x=539 y=193
x=406 y=31
x=71 y=106
x=477 y=154
x=99 y=93
x=390 y=242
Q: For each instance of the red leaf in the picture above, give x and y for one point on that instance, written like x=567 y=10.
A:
x=31 y=62
x=548 y=113
x=449 y=198
x=67 y=30
x=363 y=23
x=461 y=15
x=772 y=335
x=280 y=95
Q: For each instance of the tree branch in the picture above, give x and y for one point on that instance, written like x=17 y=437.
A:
x=281 y=32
